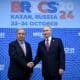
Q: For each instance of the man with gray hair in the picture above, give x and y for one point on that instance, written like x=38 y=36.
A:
x=20 y=54
x=51 y=52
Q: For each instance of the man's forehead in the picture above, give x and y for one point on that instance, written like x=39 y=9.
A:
x=20 y=31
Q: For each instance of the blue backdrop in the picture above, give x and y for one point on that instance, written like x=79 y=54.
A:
x=62 y=16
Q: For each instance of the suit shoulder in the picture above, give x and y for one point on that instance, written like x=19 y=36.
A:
x=12 y=43
x=27 y=43
x=56 y=39
x=41 y=42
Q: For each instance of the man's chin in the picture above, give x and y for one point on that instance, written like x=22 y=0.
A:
x=46 y=36
x=21 y=40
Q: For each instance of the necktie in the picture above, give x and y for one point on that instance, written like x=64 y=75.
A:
x=47 y=44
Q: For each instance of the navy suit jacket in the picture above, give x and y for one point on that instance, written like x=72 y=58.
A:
x=52 y=60
x=18 y=60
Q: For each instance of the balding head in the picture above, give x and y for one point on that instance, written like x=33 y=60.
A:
x=46 y=31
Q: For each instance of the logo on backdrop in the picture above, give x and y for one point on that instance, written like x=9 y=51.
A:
x=24 y=13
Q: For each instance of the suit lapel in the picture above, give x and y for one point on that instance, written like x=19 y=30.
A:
x=19 y=47
x=43 y=46
x=51 y=44
x=26 y=48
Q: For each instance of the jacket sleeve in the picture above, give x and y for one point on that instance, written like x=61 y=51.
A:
x=29 y=53
x=38 y=56
x=62 y=54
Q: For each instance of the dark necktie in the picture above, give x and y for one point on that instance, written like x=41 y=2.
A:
x=47 y=44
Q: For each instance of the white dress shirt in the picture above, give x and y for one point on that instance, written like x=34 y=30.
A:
x=23 y=46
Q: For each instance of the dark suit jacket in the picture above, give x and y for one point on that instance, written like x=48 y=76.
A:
x=18 y=60
x=53 y=59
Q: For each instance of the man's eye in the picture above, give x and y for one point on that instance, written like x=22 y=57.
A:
x=46 y=30
x=21 y=33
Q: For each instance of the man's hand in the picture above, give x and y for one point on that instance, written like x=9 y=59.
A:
x=30 y=64
x=61 y=71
